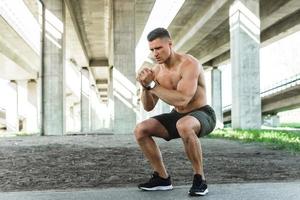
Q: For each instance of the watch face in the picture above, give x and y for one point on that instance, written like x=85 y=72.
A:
x=152 y=84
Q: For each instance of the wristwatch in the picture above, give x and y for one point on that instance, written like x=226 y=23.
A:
x=150 y=86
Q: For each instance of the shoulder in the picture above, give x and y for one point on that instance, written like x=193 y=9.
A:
x=190 y=63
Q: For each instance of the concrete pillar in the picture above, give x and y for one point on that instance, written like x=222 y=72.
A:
x=110 y=103
x=12 y=120
x=216 y=95
x=53 y=82
x=165 y=108
x=271 y=120
x=244 y=55
x=22 y=104
x=32 y=107
x=77 y=117
x=85 y=100
x=124 y=66
x=94 y=116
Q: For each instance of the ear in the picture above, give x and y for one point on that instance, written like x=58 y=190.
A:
x=170 y=42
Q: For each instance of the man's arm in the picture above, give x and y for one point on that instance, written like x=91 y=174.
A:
x=148 y=100
x=186 y=87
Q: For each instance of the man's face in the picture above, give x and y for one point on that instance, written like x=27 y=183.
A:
x=161 y=49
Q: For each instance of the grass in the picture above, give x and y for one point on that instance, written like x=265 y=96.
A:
x=290 y=125
x=277 y=139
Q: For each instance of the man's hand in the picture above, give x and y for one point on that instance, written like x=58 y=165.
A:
x=145 y=76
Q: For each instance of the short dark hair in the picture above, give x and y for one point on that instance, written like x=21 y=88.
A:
x=158 y=33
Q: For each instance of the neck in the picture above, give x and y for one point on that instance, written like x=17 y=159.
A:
x=171 y=61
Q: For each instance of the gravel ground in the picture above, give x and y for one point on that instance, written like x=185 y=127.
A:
x=101 y=161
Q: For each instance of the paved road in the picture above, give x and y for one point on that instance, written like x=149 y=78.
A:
x=245 y=191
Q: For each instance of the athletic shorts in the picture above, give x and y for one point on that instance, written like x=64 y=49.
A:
x=205 y=115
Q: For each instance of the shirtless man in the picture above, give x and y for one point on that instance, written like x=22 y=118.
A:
x=178 y=80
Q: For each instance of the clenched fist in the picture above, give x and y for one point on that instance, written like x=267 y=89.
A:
x=145 y=76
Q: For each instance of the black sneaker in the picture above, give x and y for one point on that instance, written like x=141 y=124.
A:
x=156 y=183
x=199 y=187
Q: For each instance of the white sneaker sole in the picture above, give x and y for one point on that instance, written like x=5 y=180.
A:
x=158 y=188
x=199 y=193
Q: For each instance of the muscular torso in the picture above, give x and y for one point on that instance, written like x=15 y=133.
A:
x=169 y=78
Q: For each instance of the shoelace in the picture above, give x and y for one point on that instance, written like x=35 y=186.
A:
x=152 y=179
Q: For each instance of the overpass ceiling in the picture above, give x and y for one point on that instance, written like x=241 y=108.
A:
x=142 y=11
x=201 y=28
x=92 y=18
x=18 y=60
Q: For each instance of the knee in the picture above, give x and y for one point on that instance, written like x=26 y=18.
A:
x=140 y=131
x=184 y=130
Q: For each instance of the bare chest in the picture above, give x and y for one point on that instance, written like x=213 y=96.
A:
x=168 y=79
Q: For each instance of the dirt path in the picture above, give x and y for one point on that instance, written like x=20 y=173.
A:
x=40 y=163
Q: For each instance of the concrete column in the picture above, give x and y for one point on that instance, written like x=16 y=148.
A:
x=22 y=104
x=216 y=95
x=94 y=116
x=124 y=66
x=32 y=107
x=12 y=120
x=244 y=55
x=110 y=103
x=165 y=108
x=77 y=117
x=85 y=100
x=271 y=120
x=53 y=82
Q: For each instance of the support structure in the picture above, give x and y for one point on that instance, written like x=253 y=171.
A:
x=12 y=116
x=216 y=95
x=85 y=100
x=124 y=66
x=244 y=55
x=53 y=80
x=32 y=107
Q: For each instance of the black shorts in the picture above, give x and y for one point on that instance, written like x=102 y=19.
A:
x=205 y=115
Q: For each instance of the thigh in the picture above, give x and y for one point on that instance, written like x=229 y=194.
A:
x=206 y=120
x=168 y=121
x=154 y=128
x=187 y=123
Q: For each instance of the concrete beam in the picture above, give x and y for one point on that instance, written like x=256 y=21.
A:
x=281 y=105
x=198 y=29
x=70 y=8
x=219 y=45
x=214 y=46
x=286 y=99
x=101 y=81
x=18 y=51
x=286 y=26
x=102 y=89
x=273 y=11
x=219 y=60
x=143 y=9
x=99 y=63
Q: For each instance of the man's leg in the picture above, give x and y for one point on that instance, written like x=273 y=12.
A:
x=144 y=132
x=188 y=127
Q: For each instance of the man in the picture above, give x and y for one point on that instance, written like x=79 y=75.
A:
x=177 y=79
